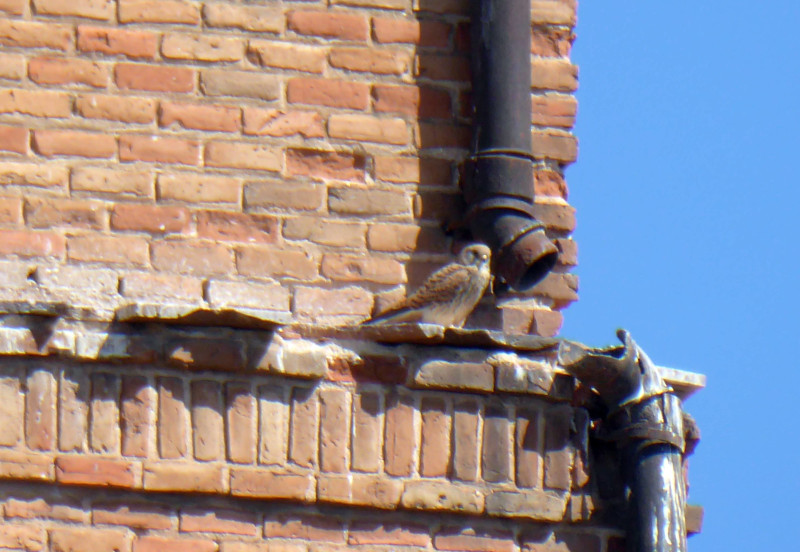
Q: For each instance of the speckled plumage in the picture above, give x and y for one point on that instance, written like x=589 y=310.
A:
x=448 y=296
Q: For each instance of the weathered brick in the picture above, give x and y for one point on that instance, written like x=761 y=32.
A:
x=528 y=452
x=53 y=70
x=420 y=102
x=304 y=423
x=204 y=353
x=95 y=470
x=73 y=411
x=121 y=250
x=115 y=108
x=554 y=74
x=246 y=84
x=334 y=430
x=469 y=540
x=162 y=544
x=200 y=117
x=281 y=123
x=15 y=464
x=406 y=238
x=243 y=155
x=547 y=12
x=240 y=421
x=76 y=539
x=347 y=268
x=96 y=280
x=48 y=213
x=117 y=181
x=287 y=55
x=104 y=434
x=557 y=464
x=189 y=258
x=368 y=60
x=62 y=509
x=154 y=78
x=465 y=441
x=207 y=424
x=199 y=188
x=315 y=528
x=135 y=516
x=11 y=410
x=90 y=9
x=40 y=410
x=400 y=446
x=368 y=532
x=413 y=169
x=275 y=484
x=556 y=215
x=12 y=66
x=383 y=4
x=438 y=135
x=31 y=244
x=365 y=201
x=325 y=232
x=442 y=495
x=201 y=47
x=70 y=142
x=554 y=145
x=435 y=448
x=159 y=11
x=549 y=183
x=13 y=7
x=159 y=149
x=324 y=165
x=273 y=408
x=237 y=227
x=247 y=18
x=221 y=294
x=272 y=195
x=172 y=418
x=11 y=212
x=156 y=219
x=425 y=33
x=366 y=128
x=496 y=447
x=112 y=41
x=366 y=433
x=328 y=92
x=137 y=404
x=317 y=302
x=38 y=103
x=264 y=261
x=144 y=285
x=30 y=34
x=185 y=477
x=231 y=522
x=328 y=24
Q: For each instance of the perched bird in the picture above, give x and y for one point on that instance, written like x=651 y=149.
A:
x=448 y=295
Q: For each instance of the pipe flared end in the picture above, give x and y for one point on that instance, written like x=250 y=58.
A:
x=527 y=260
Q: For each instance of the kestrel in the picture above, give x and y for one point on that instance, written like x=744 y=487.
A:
x=448 y=295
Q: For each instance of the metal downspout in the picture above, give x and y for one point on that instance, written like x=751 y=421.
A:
x=645 y=421
x=498 y=176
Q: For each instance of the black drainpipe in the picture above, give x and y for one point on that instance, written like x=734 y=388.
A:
x=498 y=176
x=645 y=421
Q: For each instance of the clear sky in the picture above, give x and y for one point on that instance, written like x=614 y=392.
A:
x=688 y=203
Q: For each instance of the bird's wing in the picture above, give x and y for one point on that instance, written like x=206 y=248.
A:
x=443 y=286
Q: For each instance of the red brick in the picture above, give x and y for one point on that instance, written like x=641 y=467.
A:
x=528 y=454
x=305 y=527
x=370 y=60
x=382 y=4
x=265 y=483
x=90 y=9
x=347 y=268
x=77 y=539
x=199 y=188
x=247 y=84
x=243 y=155
x=135 y=516
x=40 y=410
x=185 y=477
x=14 y=139
x=12 y=66
x=53 y=70
x=162 y=544
x=111 y=41
x=13 y=7
x=547 y=12
x=426 y=172
x=328 y=92
x=116 y=108
x=145 y=285
x=201 y=47
x=468 y=540
x=567 y=251
x=344 y=26
x=39 y=508
x=496 y=447
x=366 y=433
x=334 y=430
x=549 y=183
x=31 y=244
x=156 y=219
x=280 y=123
x=38 y=103
x=554 y=74
x=317 y=302
x=440 y=67
x=247 y=18
x=325 y=232
x=72 y=142
x=237 y=227
x=219 y=521
x=173 y=417
x=273 y=412
x=325 y=165
x=94 y=470
x=73 y=410
x=154 y=78
x=159 y=11
x=155 y=149
x=49 y=213
x=11 y=211
x=551 y=41
x=24 y=465
x=435 y=449
x=287 y=55
x=241 y=417
x=200 y=117
x=263 y=261
x=557 y=464
x=17 y=537
x=119 y=250
x=365 y=201
x=296 y=196
x=426 y=33
x=400 y=441
x=414 y=101
x=554 y=145
x=192 y=258
x=465 y=441
x=406 y=238
x=438 y=135
x=116 y=181
x=304 y=422
x=558 y=216
x=368 y=532
x=208 y=431
x=137 y=404
x=29 y=34
x=366 y=128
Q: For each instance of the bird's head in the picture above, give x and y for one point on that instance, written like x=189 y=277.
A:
x=476 y=254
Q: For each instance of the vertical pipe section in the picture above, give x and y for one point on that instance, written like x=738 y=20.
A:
x=498 y=176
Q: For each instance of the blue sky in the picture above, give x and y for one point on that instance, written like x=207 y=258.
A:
x=688 y=203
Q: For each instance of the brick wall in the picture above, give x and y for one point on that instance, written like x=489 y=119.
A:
x=307 y=149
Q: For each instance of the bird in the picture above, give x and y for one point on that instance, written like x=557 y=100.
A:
x=448 y=296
